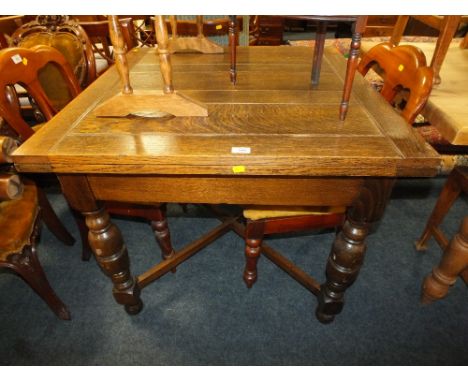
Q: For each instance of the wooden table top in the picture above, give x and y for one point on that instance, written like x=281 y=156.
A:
x=289 y=128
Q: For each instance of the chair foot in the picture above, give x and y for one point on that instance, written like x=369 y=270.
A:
x=27 y=266
x=63 y=314
x=420 y=245
x=250 y=278
x=324 y=318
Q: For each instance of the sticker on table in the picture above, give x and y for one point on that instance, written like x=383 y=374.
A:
x=238 y=169
x=240 y=150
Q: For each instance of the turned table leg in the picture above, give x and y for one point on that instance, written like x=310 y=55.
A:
x=454 y=263
x=349 y=247
x=105 y=240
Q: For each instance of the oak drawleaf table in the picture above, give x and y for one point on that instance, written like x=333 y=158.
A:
x=269 y=140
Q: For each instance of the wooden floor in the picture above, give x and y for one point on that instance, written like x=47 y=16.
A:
x=447 y=108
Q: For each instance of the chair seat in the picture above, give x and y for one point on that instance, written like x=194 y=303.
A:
x=267 y=212
x=17 y=219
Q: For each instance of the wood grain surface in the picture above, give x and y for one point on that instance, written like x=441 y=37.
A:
x=290 y=128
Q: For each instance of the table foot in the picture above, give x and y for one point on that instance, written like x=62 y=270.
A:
x=324 y=318
x=347 y=253
x=343 y=266
x=133 y=310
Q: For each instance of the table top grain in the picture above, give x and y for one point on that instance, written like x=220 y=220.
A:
x=289 y=128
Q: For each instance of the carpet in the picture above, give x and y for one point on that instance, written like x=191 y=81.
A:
x=204 y=314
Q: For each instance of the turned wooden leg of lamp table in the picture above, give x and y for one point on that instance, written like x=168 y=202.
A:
x=358 y=29
x=454 y=263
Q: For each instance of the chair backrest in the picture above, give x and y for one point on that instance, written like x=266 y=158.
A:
x=23 y=66
x=8 y=25
x=98 y=33
x=405 y=68
x=67 y=36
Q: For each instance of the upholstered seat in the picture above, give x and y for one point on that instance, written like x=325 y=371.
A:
x=265 y=212
x=17 y=219
x=21 y=209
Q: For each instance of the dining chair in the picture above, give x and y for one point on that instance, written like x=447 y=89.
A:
x=447 y=27
x=69 y=38
x=99 y=36
x=404 y=67
x=21 y=65
x=22 y=208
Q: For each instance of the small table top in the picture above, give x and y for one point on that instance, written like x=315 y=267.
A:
x=447 y=107
x=270 y=123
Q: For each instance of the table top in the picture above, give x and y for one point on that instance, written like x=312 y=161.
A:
x=282 y=125
x=447 y=107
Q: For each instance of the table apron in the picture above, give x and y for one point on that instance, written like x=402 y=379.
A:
x=314 y=191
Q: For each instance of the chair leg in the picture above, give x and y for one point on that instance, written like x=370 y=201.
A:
x=27 y=265
x=358 y=29
x=254 y=233
x=162 y=233
x=86 y=251
x=52 y=221
x=318 y=53
x=447 y=197
x=454 y=262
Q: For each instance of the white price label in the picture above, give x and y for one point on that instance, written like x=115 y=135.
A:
x=240 y=150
